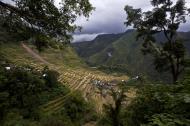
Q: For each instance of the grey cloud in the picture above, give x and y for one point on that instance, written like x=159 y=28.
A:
x=109 y=16
x=84 y=37
x=9 y=1
x=185 y=27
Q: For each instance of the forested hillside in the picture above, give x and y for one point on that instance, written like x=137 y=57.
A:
x=123 y=54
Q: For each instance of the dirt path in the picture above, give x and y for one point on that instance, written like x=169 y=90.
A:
x=34 y=54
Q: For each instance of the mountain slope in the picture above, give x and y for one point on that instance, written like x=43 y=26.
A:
x=124 y=55
x=100 y=42
x=73 y=72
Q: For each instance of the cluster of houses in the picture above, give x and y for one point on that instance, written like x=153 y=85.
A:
x=104 y=86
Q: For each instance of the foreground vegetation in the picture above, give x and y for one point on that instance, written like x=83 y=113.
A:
x=23 y=90
x=154 y=105
x=42 y=90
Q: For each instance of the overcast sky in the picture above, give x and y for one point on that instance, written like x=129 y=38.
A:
x=109 y=17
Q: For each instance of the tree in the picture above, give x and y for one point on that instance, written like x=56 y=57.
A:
x=3 y=94
x=50 y=77
x=23 y=86
x=113 y=111
x=160 y=105
x=42 y=16
x=165 y=18
x=76 y=107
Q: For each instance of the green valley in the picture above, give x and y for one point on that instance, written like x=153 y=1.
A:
x=123 y=54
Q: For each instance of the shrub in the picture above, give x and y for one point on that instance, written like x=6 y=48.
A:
x=56 y=120
x=50 y=77
x=160 y=104
x=77 y=109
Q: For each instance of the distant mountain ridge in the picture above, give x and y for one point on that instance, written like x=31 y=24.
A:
x=122 y=52
x=100 y=42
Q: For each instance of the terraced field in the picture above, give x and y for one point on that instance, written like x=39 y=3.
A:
x=72 y=72
x=82 y=81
